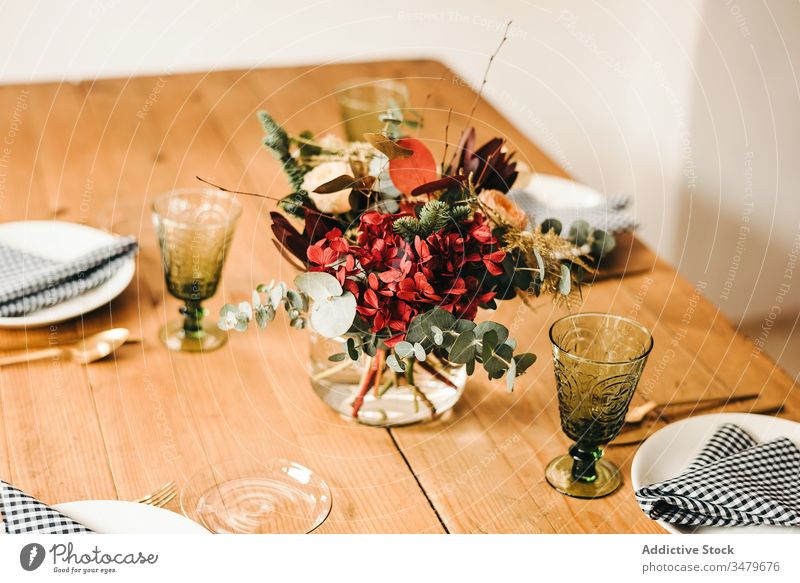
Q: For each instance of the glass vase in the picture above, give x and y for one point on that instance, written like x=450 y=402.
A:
x=426 y=391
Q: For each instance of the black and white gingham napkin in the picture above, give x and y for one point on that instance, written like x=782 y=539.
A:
x=612 y=216
x=21 y=514
x=29 y=282
x=734 y=481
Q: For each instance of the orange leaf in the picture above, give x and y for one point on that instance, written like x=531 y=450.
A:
x=415 y=170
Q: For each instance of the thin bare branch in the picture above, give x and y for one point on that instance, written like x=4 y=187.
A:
x=446 y=136
x=486 y=74
x=425 y=104
x=223 y=189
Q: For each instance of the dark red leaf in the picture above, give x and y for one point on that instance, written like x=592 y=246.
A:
x=442 y=184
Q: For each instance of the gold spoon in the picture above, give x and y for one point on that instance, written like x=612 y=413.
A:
x=84 y=351
x=638 y=413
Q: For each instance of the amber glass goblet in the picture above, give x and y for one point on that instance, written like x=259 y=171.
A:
x=598 y=359
x=195 y=228
x=363 y=101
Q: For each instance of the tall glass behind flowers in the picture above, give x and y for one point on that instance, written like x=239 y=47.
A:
x=397 y=255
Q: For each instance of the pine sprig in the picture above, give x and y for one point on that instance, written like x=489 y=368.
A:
x=277 y=140
x=433 y=217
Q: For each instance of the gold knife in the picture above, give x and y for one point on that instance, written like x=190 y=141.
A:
x=639 y=434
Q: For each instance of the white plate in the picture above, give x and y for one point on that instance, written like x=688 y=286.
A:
x=668 y=451
x=121 y=517
x=556 y=192
x=63 y=241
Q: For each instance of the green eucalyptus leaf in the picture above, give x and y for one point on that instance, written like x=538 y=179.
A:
x=489 y=339
x=524 y=361
x=438 y=335
x=602 y=244
x=497 y=361
x=228 y=309
x=463 y=349
x=511 y=375
x=394 y=364
x=551 y=225
x=421 y=327
x=404 y=349
x=500 y=331
x=565 y=284
x=332 y=317
x=276 y=295
x=370 y=348
x=296 y=300
x=262 y=314
x=539 y=264
x=419 y=352
x=579 y=232
x=338 y=357
x=352 y=351
x=319 y=286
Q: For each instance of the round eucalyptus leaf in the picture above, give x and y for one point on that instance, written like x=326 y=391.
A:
x=331 y=317
x=551 y=225
x=511 y=375
x=565 y=284
x=318 y=286
x=579 y=232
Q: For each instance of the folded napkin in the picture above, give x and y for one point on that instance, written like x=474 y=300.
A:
x=29 y=282
x=734 y=481
x=21 y=514
x=612 y=216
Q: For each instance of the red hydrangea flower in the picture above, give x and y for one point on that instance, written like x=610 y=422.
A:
x=394 y=279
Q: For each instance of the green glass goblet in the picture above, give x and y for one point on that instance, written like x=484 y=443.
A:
x=195 y=228
x=598 y=359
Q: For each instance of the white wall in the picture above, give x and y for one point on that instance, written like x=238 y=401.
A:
x=691 y=105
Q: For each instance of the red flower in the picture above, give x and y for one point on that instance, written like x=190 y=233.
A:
x=394 y=279
x=333 y=255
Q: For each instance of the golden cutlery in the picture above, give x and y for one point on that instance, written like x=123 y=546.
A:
x=638 y=413
x=639 y=434
x=160 y=497
x=84 y=351
x=35 y=344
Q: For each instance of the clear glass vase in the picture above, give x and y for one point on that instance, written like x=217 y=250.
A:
x=427 y=392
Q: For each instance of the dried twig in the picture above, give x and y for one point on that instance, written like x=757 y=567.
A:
x=446 y=136
x=223 y=189
x=425 y=104
x=486 y=75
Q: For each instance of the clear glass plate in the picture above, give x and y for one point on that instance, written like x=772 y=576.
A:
x=249 y=497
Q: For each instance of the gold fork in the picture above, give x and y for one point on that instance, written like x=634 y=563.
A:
x=160 y=497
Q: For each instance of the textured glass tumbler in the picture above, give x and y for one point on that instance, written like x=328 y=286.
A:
x=363 y=101
x=598 y=359
x=194 y=228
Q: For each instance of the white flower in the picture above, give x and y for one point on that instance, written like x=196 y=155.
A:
x=335 y=202
x=332 y=143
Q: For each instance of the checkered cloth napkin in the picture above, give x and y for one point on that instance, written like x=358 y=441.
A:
x=734 y=481
x=29 y=282
x=21 y=514
x=613 y=216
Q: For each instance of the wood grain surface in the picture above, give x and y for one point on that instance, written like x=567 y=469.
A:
x=99 y=152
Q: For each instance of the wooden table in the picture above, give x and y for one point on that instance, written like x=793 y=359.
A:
x=97 y=153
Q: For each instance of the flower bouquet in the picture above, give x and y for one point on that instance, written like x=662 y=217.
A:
x=397 y=254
